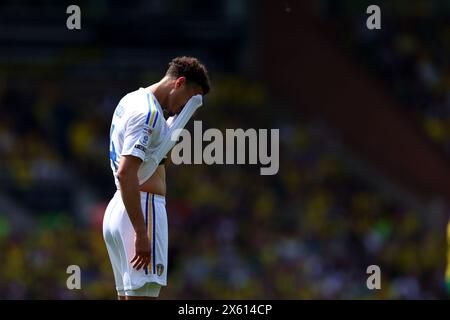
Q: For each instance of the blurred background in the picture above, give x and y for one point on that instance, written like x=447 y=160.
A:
x=364 y=120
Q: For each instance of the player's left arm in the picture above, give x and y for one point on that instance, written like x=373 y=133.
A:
x=176 y=124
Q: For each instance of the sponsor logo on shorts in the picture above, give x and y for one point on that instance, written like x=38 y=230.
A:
x=159 y=269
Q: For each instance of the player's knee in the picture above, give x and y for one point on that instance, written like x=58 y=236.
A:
x=140 y=298
x=149 y=290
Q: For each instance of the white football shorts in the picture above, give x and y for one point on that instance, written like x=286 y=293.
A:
x=119 y=237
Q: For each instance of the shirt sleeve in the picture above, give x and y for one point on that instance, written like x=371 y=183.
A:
x=170 y=136
x=176 y=124
x=138 y=134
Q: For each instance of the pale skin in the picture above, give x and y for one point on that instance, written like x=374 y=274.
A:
x=172 y=94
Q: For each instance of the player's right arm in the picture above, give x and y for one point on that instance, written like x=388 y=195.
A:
x=136 y=140
x=129 y=188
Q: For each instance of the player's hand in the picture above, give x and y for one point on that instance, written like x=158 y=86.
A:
x=142 y=246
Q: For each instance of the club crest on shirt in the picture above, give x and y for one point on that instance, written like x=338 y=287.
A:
x=159 y=269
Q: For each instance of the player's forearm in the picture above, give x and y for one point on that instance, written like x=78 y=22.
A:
x=129 y=188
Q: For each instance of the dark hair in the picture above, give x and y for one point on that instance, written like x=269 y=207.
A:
x=190 y=68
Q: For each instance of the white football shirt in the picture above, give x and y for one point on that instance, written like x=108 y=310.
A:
x=137 y=128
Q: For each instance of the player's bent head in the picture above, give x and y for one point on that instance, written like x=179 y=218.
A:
x=190 y=77
x=192 y=70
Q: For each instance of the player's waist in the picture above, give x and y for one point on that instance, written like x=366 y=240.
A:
x=145 y=196
x=153 y=196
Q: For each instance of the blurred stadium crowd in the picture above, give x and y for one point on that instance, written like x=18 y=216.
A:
x=409 y=54
x=308 y=232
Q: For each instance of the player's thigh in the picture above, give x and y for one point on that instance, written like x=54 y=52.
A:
x=115 y=251
x=162 y=243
